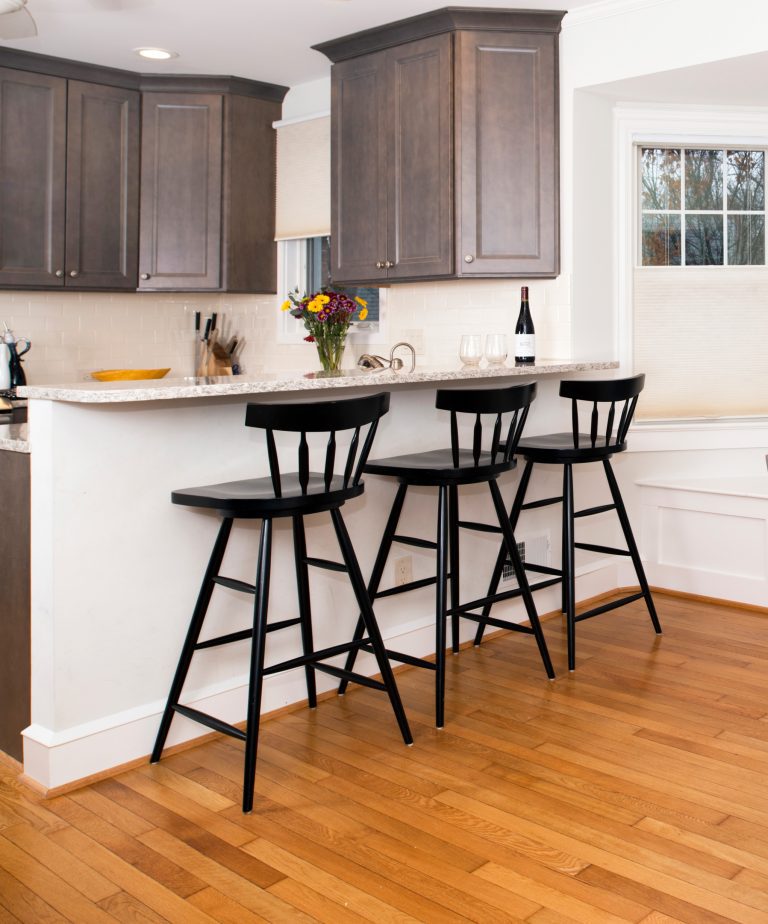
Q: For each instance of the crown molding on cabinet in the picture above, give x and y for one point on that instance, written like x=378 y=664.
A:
x=449 y=19
x=133 y=80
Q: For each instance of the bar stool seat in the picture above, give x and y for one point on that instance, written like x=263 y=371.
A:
x=296 y=494
x=607 y=408
x=447 y=469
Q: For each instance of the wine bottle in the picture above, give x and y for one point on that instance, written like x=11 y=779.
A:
x=525 y=335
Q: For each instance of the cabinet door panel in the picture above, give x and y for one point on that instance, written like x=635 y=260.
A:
x=420 y=180
x=102 y=186
x=507 y=133
x=358 y=178
x=15 y=603
x=180 y=225
x=33 y=111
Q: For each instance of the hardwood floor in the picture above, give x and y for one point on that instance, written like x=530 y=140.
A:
x=631 y=790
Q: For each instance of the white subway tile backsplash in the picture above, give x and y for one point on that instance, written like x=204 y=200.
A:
x=75 y=333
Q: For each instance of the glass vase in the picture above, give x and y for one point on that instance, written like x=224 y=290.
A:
x=330 y=349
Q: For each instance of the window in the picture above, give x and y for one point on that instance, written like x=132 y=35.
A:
x=305 y=266
x=702 y=206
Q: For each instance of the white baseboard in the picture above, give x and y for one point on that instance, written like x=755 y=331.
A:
x=56 y=759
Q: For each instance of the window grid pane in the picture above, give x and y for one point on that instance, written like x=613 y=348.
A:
x=702 y=206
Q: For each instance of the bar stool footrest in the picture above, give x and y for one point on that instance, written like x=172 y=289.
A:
x=613 y=605
x=405 y=658
x=233 y=584
x=404 y=588
x=605 y=549
x=591 y=511
x=210 y=721
x=415 y=541
x=314 y=657
x=326 y=564
x=479 y=527
x=463 y=610
x=341 y=674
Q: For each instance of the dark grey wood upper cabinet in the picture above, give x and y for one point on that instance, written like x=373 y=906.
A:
x=72 y=164
x=391 y=187
x=33 y=113
x=507 y=143
x=460 y=116
x=68 y=182
x=102 y=186
x=181 y=191
x=208 y=192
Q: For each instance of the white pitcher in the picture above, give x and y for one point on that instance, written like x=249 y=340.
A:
x=5 y=371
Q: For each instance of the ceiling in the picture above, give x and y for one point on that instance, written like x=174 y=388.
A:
x=267 y=40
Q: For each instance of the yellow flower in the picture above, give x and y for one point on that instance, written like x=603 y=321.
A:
x=363 y=312
x=286 y=306
x=323 y=299
x=314 y=305
x=362 y=302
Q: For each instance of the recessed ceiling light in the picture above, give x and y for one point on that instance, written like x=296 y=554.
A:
x=156 y=54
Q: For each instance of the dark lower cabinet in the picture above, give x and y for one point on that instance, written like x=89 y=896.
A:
x=444 y=151
x=14 y=603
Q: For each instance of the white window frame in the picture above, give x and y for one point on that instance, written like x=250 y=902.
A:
x=291 y=272
x=671 y=126
x=724 y=212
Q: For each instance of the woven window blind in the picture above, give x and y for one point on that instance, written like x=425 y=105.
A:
x=303 y=179
x=701 y=338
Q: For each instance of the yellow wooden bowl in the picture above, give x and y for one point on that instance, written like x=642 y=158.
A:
x=124 y=375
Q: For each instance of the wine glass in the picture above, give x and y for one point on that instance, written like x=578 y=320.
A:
x=496 y=349
x=471 y=349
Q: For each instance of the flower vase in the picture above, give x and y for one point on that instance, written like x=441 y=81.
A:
x=330 y=349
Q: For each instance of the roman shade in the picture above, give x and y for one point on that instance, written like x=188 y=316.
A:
x=303 y=178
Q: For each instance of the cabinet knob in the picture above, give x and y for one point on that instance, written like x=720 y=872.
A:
x=379 y=264
x=74 y=274
x=468 y=258
x=388 y=264
x=145 y=275
x=59 y=274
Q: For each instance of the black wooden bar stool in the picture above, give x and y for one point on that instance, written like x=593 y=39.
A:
x=293 y=495
x=610 y=405
x=447 y=469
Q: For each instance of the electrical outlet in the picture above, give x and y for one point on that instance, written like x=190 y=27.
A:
x=403 y=570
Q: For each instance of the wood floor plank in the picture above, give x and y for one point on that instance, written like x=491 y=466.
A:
x=631 y=791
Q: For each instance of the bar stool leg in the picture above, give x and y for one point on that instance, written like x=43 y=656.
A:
x=193 y=634
x=569 y=564
x=371 y=626
x=305 y=611
x=525 y=591
x=453 y=551
x=256 y=680
x=440 y=604
x=376 y=575
x=498 y=568
x=631 y=544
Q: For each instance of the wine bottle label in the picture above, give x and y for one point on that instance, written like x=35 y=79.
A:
x=525 y=345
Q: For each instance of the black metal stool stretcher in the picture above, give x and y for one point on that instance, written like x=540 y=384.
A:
x=447 y=469
x=611 y=406
x=293 y=495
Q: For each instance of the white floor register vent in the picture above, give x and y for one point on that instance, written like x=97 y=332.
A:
x=534 y=550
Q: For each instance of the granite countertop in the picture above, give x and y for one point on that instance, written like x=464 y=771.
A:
x=14 y=437
x=266 y=382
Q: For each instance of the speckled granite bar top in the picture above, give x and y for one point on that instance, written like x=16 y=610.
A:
x=265 y=383
x=14 y=437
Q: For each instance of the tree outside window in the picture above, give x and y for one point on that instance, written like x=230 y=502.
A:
x=702 y=207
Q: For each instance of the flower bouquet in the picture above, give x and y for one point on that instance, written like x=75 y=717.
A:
x=327 y=315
